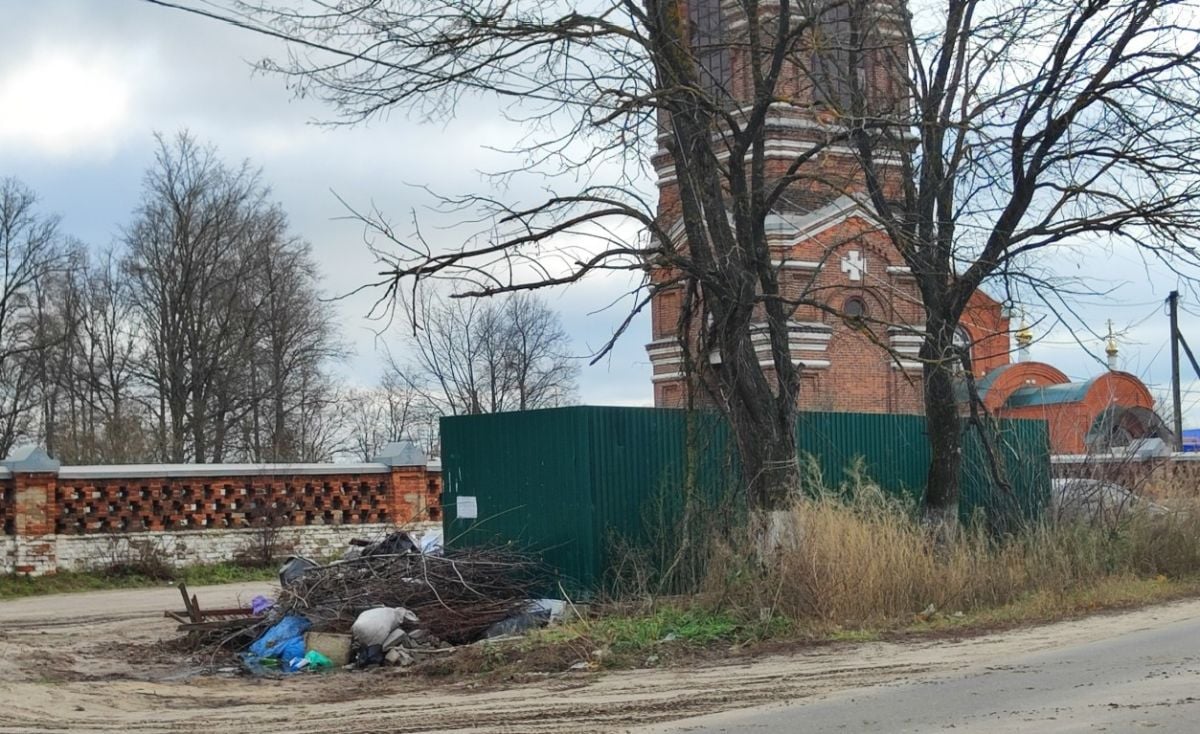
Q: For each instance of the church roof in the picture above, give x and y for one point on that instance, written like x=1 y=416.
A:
x=1070 y=392
x=985 y=383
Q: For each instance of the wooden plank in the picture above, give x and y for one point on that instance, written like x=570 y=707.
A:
x=190 y=606
x=230 y=612
x=220 y=624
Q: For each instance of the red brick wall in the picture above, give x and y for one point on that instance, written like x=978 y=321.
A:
x=984 y=322
x=34 y=504
x=861 y=375
x=132 y=505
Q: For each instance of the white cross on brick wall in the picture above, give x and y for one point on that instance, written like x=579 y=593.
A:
x=854 y=265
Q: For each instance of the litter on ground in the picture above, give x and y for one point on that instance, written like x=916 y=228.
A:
x=394 y=601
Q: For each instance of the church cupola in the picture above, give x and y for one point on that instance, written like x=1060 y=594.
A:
x=1024 y=339
x=1111 y=348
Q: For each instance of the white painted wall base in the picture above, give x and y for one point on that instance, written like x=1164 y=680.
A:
x=8 y=553
x=191 y=547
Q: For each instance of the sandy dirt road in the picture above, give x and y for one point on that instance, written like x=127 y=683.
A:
x=1140 y=680
x=85 y=663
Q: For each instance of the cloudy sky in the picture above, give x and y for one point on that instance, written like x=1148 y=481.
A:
x=84 y=84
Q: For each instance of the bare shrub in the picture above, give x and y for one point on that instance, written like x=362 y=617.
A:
x=123 y=556
x=268 y=541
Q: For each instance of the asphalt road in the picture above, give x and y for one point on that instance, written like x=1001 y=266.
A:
x=1144 y=680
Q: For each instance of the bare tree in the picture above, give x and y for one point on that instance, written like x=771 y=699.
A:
x=112 y=332
x=296 y=341
x=236 y=340
x=31 y=252
x=535 y=357
x=1033 y=127
x=473 y=356
x=391 y=412
x=983 y=135
x=210 y=325
x=58 y=309
x=84 y=372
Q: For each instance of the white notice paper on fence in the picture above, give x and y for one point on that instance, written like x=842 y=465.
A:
x=466 y=508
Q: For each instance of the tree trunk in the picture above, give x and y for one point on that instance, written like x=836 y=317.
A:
x=943 y=424
x=767 y=448
x=764 y=428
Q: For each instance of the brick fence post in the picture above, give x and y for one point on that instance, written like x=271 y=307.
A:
x=35 y=487
x=406 y=480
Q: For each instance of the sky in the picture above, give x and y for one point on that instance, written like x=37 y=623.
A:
x=84 y=85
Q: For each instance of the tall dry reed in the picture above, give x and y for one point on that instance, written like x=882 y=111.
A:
x=864 y=557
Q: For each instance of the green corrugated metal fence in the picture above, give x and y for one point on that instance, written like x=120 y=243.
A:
x=564 y=481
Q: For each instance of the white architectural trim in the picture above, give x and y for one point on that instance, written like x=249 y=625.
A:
x=121 y=471
x=779 y=149
x=812 y=364
x=832 y=214
x=809 y=265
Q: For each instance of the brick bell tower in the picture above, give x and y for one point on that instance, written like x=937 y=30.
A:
x=823 y=233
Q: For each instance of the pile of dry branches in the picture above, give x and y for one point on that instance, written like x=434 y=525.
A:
x=456 y=596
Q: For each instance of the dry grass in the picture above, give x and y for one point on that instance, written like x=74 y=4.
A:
x=855 y=570
x=868 y=562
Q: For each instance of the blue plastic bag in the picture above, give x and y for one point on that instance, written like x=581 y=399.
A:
x=284 y=642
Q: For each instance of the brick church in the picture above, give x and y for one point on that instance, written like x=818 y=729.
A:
x=860 y=352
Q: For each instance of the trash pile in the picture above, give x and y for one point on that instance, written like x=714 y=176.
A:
x=392 y=602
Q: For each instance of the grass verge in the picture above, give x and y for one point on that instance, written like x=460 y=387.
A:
x=682 y=632
x=15 y=586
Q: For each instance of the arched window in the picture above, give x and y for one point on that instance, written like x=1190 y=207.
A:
x=710 y=47
x=830 y=63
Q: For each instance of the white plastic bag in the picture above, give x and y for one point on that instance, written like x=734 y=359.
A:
x=374 y=626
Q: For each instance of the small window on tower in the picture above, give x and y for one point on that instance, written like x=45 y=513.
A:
x=855 y=309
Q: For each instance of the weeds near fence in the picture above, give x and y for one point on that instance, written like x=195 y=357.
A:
x=865 y=560
x=857 y=557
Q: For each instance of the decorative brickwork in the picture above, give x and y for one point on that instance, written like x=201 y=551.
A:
x=132 y=505
x=433 y=497
x=41 y=509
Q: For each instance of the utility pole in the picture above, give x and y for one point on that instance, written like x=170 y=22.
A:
x=1177 y=399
